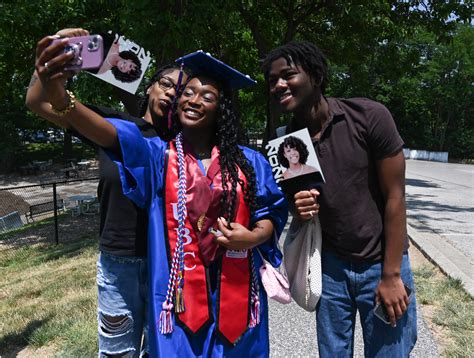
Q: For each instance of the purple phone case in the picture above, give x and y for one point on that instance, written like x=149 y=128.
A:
x=89 y=52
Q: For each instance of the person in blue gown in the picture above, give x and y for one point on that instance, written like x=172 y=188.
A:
x=211 y=204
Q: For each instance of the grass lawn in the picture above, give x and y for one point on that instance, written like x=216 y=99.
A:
x=49 y=299
x=449 y=310
x=48 y=303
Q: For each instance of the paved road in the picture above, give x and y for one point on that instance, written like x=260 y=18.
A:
x=441 y=196
x=440 y=199
x=293 y=333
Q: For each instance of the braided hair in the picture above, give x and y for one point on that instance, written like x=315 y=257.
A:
x=232 y=158
x=302 y=53
x=229 y=134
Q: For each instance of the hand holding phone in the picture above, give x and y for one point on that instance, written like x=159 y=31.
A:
x=88 y=52
x=380 y=311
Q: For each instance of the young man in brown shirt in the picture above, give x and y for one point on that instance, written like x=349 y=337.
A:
x=361 y=206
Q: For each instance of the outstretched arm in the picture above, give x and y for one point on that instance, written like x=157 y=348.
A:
x=35 y=97
x=48 y=96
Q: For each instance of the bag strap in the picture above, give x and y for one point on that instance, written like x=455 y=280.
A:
x=261 y=256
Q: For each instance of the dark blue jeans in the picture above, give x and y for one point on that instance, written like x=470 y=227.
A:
x=348 y=287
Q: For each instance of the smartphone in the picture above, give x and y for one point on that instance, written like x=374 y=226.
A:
x=88 y=52
x=381 y=312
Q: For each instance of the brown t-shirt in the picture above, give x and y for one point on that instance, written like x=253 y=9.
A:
x=358 y=133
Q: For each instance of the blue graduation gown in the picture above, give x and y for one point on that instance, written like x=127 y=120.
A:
x=141 y=168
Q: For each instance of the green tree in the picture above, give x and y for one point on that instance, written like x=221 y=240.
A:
x=375 y=48
x=447 y=85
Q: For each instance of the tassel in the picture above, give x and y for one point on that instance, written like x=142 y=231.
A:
x=179 y=300
x=254 y=300
x=178 y=88
x=254 y=312
x=166 y=322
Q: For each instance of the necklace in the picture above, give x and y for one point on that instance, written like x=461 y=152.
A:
x=296 y=172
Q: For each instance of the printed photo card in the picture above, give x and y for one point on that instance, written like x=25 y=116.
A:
x=294 y=163
x=125 y=62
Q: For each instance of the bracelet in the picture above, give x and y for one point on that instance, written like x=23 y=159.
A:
x=70 y=106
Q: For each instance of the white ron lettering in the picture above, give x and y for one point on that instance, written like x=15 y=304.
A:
x=187 y=237
x=271 y=149
x=278 y=173
x=144 y=55
x=273 y=160
x=175 y=210
x=186 y=268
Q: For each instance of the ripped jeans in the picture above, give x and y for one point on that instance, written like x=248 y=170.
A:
x=122 y=297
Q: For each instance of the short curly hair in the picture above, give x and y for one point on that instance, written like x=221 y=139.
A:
x=296 y=143
x=132 y=75
x=303 y=53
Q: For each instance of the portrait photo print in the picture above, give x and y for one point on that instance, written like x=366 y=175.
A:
x=124 y=64
x=294 y=163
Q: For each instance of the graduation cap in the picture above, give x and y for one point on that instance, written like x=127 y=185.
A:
x=203 y=63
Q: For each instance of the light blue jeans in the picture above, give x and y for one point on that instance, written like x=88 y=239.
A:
x=348 y=287
x=122 y=298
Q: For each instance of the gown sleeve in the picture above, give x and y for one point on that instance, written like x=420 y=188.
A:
x=140 y=162
x=271 y=204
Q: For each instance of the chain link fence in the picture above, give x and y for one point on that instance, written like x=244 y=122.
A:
x=63 y=206
x=47 y=213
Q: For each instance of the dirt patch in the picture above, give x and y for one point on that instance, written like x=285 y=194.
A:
x=417 y=259
x=438 y=332
x=11 y=202
x=27 y=352
x=69 y=228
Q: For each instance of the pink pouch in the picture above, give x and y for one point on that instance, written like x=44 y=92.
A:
x=275 y=283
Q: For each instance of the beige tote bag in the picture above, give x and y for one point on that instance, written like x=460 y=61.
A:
x=302 y=259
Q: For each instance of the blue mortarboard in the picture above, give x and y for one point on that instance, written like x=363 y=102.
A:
x=203 y=63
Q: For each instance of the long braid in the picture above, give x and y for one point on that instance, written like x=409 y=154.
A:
x=231 y=158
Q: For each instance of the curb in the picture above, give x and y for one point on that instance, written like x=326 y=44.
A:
x=441 y=253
